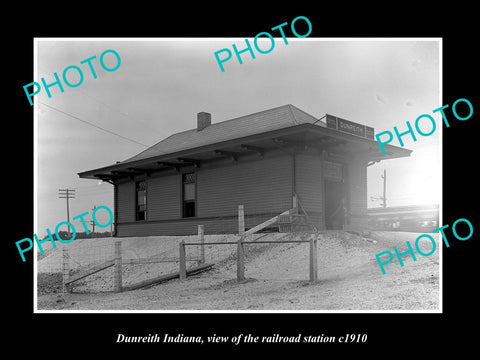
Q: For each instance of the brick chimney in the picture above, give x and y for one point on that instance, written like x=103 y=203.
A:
x=204 y=119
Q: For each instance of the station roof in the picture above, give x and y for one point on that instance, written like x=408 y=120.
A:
x=281 y=127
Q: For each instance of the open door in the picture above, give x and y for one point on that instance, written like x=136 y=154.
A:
x=335 y=205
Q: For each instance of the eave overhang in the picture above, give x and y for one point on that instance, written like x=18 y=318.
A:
x=293 y=139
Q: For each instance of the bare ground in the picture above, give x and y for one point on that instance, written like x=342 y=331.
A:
x=277 y=279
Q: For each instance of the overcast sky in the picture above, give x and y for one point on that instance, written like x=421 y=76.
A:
x=161 y=85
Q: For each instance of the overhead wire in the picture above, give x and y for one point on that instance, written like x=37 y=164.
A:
x=111 y=108
x=94 y=125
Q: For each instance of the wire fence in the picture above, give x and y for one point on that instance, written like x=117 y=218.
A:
x=81 y=256
x=111 y=264
x=140 y=257
x=263 y=256
x=220 y=250
x=74 y=257
x=143 y=258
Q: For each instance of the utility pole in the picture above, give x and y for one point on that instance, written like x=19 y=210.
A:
x=384 y=198
x=91 y=221
x=67 y=194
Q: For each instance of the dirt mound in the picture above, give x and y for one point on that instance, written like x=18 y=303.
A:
x=277 y=277
x=49 y=283
x=85 y=253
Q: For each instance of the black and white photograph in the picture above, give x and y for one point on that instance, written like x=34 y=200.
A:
x=219 y=181
x=270 y=185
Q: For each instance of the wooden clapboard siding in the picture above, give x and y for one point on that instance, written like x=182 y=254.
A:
x=164 y=197
x=308 y=171
x=126 y=202
x=309 y=186
x=261 y=186
x=216 y=225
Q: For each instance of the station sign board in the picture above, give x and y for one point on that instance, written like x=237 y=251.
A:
x=350 y=127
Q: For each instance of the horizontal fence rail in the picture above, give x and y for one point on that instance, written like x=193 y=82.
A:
x=240 y=256
x=77 y=264
x=249 y=242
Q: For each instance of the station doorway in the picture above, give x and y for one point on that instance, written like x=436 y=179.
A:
x=335 y=204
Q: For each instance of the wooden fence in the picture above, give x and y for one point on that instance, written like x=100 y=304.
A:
x=118 y=261
x=241 y=255
x=241 y=243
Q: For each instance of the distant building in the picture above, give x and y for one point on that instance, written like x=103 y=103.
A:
x=413 y=218
x=261 y=160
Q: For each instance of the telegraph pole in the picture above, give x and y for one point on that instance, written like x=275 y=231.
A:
x=67 y=194
x=384 y=198
x=93 y=222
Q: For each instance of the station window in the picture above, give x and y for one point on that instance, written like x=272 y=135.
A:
x=141 y=201
x=189 y=194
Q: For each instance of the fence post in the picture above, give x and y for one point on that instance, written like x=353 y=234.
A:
x=118 y=267
x=295 y=202
x=240 y=260
x=202 y=245
x=313 y=259
x=241 y=220
x=65 y=270
x=240 y=249
x=182 y=261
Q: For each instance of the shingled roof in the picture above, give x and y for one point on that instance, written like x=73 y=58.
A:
x=260 y=122
x=259 y=132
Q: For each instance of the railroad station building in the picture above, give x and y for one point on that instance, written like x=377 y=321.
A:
x=260 y=161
